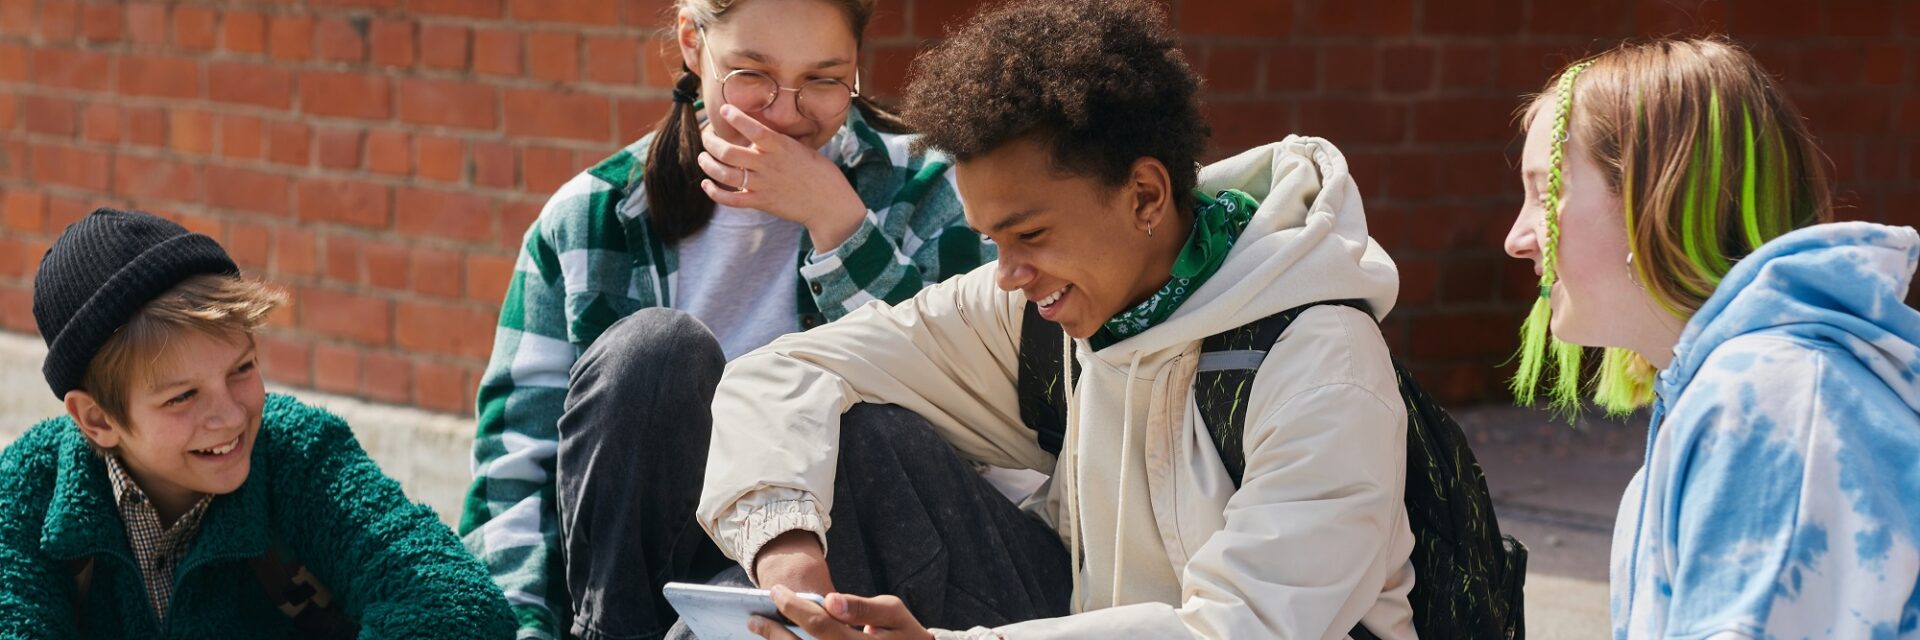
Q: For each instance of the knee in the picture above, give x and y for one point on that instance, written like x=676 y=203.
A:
x=873 y=431
x=652 y=343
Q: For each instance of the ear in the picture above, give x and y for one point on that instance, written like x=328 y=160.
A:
x=1151 y=190
x=93 y=420
x=687 y=35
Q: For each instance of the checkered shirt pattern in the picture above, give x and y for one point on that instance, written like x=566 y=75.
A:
x=591 y=259
x=157 y=548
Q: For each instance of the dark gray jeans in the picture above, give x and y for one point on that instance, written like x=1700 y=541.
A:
x=910 y=517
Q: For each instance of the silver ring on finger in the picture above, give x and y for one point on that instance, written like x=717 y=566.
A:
x=745 y=175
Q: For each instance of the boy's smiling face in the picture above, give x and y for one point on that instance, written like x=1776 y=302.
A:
x=191 y=419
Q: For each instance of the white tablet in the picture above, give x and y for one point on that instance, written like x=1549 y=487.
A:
x=721 y=613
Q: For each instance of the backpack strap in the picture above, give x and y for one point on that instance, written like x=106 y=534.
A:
x=301 y=597
x=1043 y=401
x=1229 y=360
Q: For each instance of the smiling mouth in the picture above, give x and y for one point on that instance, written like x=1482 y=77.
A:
x=220 y=450
x=1053 y=298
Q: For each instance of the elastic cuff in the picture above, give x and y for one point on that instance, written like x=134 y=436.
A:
x=764 y=524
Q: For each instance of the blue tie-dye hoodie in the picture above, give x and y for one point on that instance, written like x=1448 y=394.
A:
x=1781 y=492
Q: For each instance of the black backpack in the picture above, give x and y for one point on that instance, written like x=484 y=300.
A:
x=1467 y=575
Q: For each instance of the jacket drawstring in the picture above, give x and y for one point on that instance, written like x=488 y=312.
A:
x=1120 y=502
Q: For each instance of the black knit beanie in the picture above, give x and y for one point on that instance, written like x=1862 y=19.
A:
x=103 y=269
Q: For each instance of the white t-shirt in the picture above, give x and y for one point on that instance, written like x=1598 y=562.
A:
x=739 y=276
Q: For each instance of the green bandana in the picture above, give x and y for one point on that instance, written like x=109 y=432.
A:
x=1217 y=223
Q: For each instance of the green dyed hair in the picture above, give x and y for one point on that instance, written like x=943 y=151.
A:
x=1654 y=117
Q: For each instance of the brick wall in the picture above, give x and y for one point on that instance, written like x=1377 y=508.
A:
x=380 y=158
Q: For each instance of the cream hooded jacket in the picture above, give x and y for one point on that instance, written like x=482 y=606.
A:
x=1314 y=541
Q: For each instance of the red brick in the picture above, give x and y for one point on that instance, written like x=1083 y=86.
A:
x=1237 y=125
x=1840 y=65
x=64 y=211
x=388 y=152
x=289 y=143
x=1353 y=122
x=454 y=215
x=287 y=315
x=453 y=330
x=613 y=60
x=1408 y=69
x=1348 y=68
x=387 y=265
x=467 y=105
x=16 y=17
x=1292 y=69
x=259 y=85
x=1420 y=177
x=336 y=369
x=160 y=76
x=144 y=180
x=516 y=217
x=634 y=118
x=243 y=32
x=463 y=8
x=1885 y=65
x=594 y=12
x=494 y=165
x=286 y=361
x=247 y=190
x=70 y=69
x=553 y=56
x=1835 y=113
x=1529 y=67
x=343 y=259
x=1265 y=19
x=347 y=95
x=1910 y=19
x=1579 y=18
x=290 y=37
x=16 y=261
x=1461 y=334
x=439 y=158
x=1231 y=69
x=16 y=304
x=440 y=387
x=1680 y=17
x=387 y=377
x=251 y=245
x=662 y=70
x=1774 y=18
x=146 y=23
x=1473 y=17
x=891 y=65
x=365 y=319
x=488 y=277
x=1464 y=120
x=190 y=131
x=932 y=17
x=444 y=46
x=13 y=62
x=1466 y=66
x=436 y=272
x=100 y=22
x=242 y=137
x=346 y=202
x=9 y=109
x=1908 y=121
x=366 y=4
x=546 y=168
x=553 y=114
x=339 y=39
x=1354 y=17
x=204 y=225
x=393 y=42
x=294 y=252
x=496 y=52
x=53 y=116
x=59 y=20
x=24 y=210
x=69 y=166
x=339 y=148
x=195 y=27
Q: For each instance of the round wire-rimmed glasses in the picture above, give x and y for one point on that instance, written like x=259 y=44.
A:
x=753 y=91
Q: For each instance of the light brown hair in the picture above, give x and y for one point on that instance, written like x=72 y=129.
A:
x=221 y=306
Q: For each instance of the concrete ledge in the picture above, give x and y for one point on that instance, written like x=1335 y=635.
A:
x=429 y=453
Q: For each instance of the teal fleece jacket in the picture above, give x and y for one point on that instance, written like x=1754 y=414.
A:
x=397 y=570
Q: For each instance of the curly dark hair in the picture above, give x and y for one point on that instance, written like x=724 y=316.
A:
x=1100 y=82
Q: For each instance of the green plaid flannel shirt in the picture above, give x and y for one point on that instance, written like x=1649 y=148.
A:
x=590 y=260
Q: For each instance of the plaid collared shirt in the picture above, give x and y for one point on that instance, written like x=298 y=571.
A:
x=592 y=258
x=156 y=548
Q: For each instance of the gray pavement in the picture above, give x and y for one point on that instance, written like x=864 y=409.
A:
x=1555 y=486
